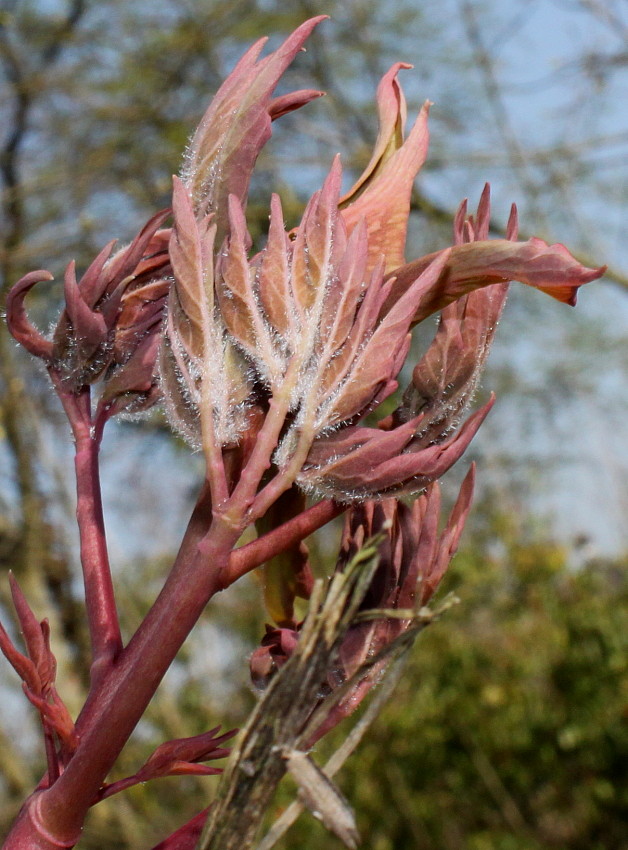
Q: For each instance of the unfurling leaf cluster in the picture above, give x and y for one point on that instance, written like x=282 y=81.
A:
x=270 y=364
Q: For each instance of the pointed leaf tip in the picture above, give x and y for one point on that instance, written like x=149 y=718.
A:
x=286 y=103
x=383 y=193
x=237 y=125
x=549 y=268
x=89 y=327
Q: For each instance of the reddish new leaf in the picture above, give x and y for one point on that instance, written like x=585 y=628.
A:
x=89 y=327
x=377 y=362
x=391 y=107
x=237 y=125
x=234 y=286
x=186 y=837
x=22 y=665
x=319 y=244
x=180 y=756
x=550 y=268
x=17 y=321
x=444 y=380
x=385 y=202
x=32 y=632
x=274 y=276
x=433 y=569
x=191 y=254
x=364 y=462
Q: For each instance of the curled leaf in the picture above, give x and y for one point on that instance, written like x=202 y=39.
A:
x=17 y=321
x=550 y=268
x=391 y=107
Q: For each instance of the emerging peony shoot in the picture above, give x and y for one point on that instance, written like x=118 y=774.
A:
x=274 y=364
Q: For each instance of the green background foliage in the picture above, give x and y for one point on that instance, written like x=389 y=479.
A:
x=509 y=730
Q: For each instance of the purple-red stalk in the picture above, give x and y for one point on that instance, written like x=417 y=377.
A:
x=117 y=701
x=100 y=604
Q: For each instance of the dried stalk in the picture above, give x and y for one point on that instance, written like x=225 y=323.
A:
x=277 y=726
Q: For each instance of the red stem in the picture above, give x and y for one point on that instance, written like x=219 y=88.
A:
x=29 y=833
x=117 y=703
x=100 y=604
x=117 y=787
x=51 y=753
x=205 y=564
x=259 y=460
x=102 y=614
x=280 y=539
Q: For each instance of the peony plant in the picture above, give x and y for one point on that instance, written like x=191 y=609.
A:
x=274 y=364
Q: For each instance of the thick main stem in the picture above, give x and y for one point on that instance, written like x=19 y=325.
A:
x=129 y=678
x=52 y=818
x=118 y=702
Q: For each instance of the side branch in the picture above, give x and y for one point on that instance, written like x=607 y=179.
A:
x=102 y=615
x=248 y=557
